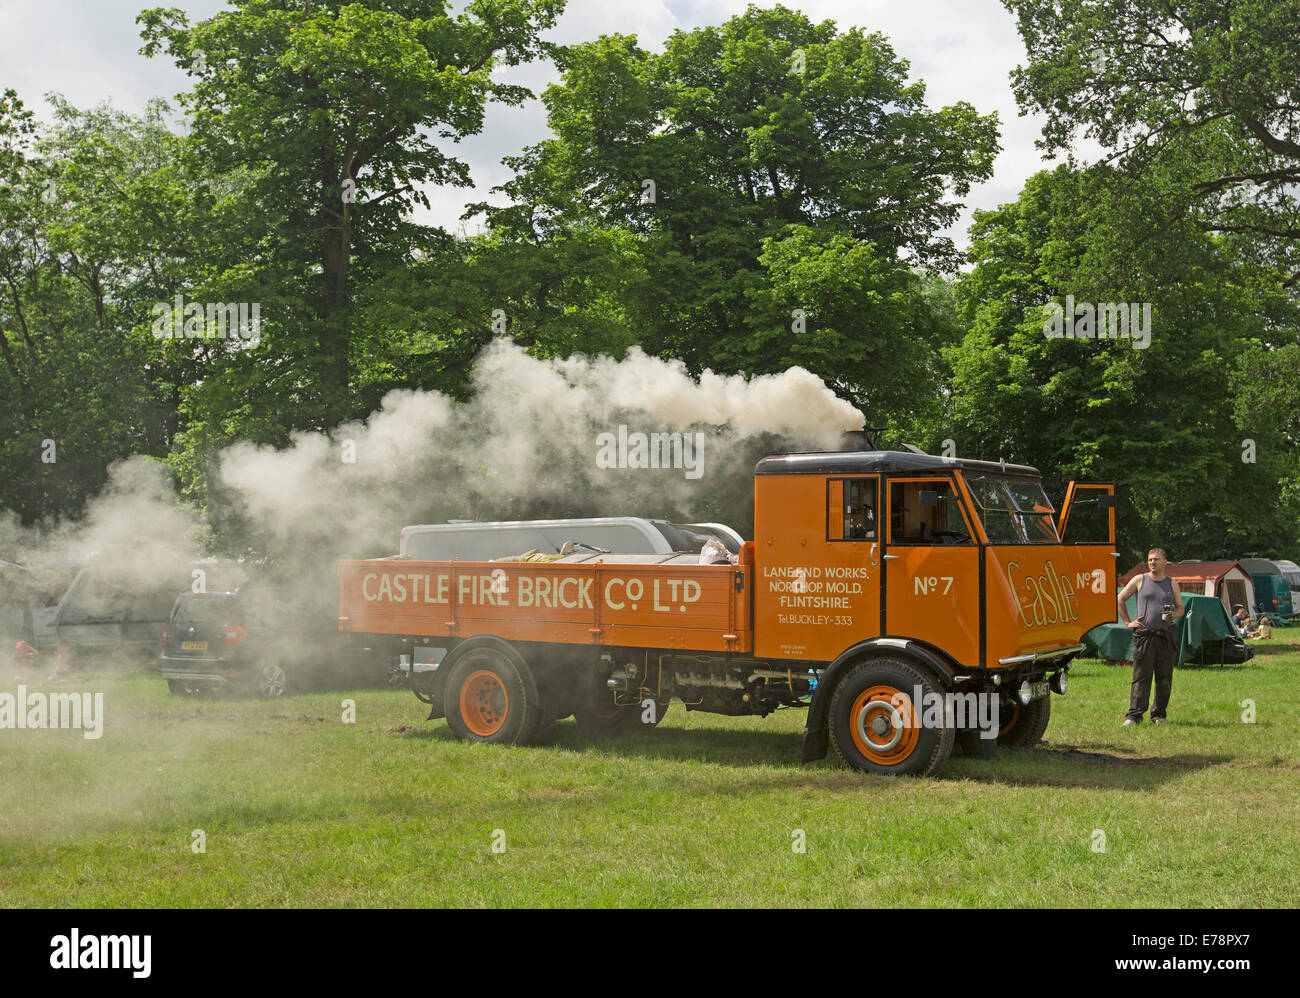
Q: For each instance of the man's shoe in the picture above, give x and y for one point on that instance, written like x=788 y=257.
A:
x=1157 y=720
x=1129 y=722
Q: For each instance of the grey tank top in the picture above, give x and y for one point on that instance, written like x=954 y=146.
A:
x=1152 y=597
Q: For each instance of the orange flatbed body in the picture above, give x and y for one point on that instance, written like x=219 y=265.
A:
x=632 y=601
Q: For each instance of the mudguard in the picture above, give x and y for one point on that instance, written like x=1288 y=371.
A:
x=816 y=738
x=448 y=663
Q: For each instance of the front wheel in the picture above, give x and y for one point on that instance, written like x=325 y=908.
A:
x=1023 y=727
x=877 y=728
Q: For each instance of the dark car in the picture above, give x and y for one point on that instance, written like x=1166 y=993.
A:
x=253 y=640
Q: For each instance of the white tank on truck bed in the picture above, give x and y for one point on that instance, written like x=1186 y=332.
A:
x=479 y=540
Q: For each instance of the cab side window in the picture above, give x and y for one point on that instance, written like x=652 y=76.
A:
x=851 y=509
x=926 y=512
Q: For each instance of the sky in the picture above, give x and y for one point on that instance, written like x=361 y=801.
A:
x=963 y=50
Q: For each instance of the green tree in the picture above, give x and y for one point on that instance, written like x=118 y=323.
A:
x=100 y=219
x=1161 y=422
x=874 y=328
x=1203 y=95
x=336 y=111
x=728 y=155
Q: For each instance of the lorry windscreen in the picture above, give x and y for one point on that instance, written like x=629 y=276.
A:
x=1014 y=510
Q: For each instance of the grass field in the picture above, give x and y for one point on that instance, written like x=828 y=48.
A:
x=301 y=809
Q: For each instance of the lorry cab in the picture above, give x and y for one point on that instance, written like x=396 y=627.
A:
x=962 y=570
x=966 y=558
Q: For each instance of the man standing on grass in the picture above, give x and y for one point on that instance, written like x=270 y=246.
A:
x=1159 y=605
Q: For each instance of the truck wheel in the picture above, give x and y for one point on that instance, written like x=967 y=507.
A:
x=544 y=722
x=973 y=745
x=603 y=714
x=876 y=728
x=1023 y=727
x=487 y=699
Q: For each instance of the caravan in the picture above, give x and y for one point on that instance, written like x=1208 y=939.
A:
x=1272 y=594
x=1291 y=572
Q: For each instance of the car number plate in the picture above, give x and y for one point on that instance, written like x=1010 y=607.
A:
x=194 y=646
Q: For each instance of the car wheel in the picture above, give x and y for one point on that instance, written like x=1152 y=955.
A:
x=272 y=681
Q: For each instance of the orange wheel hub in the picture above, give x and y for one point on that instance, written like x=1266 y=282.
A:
x=1010 y=721
x=884 y=725
x=484 y=703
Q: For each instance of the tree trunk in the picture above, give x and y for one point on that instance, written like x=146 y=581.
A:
x=336 y=252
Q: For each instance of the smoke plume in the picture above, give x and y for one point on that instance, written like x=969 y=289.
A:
x=523 y=446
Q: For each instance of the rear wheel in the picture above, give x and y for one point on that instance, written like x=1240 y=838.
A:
x=551 y=710
x=272 y=681
x=1023 y=727
x=488 y=699
x=599 y=712
x=876 y=727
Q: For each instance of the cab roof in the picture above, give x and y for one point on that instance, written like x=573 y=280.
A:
x=887 y=461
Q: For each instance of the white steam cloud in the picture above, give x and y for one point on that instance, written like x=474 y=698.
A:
x=523 y=446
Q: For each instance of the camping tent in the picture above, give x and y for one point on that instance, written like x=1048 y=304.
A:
x=1224 y=579
x=1205 y=634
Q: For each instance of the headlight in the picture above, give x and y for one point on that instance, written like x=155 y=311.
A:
x=1060 y=682
x=1026 y=694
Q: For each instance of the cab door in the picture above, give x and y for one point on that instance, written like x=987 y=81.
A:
x=932 y=567
x=1092 y=506
x=1086 y=524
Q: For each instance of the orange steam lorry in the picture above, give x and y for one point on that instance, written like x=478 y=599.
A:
x=909 y=602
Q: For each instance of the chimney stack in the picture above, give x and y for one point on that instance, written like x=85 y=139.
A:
x=854 y=440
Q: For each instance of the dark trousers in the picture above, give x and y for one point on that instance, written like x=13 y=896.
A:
x=1153 y=655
